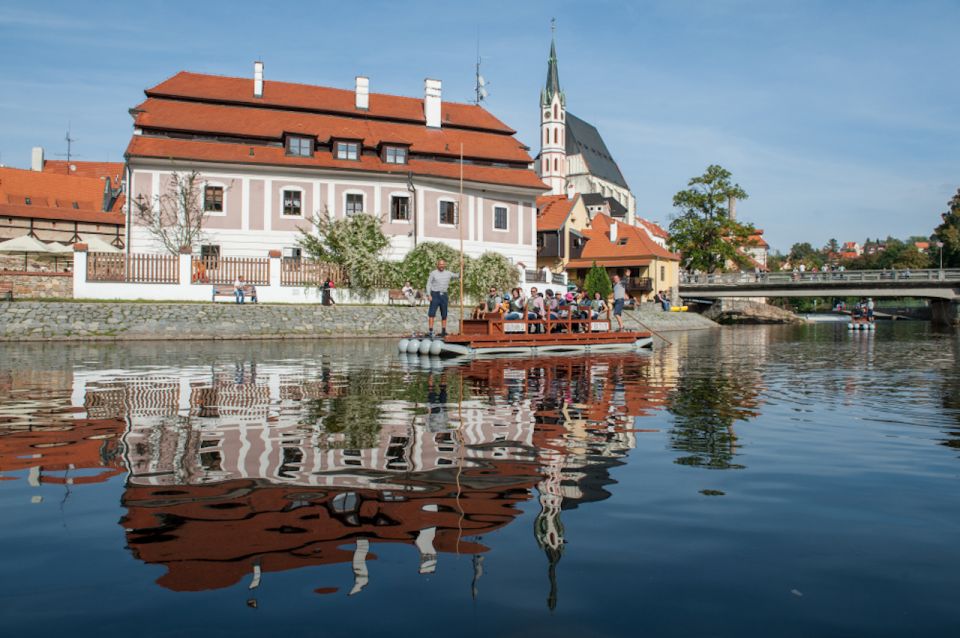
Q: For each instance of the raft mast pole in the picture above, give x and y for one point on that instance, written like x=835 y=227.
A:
x=460 y=227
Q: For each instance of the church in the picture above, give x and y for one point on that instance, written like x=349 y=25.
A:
x=573 y=156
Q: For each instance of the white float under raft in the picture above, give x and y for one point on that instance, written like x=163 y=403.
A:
x=861 y=325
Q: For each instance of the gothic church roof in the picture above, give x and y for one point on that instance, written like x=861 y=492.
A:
x=584 y=138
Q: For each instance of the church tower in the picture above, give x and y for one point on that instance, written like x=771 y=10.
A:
x=552 y=166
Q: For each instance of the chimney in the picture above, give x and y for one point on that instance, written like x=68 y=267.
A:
x=258 y=79
x=732 y=207
x=363 y=92
x=36 y=159
x=431 y=102
x=613 y=232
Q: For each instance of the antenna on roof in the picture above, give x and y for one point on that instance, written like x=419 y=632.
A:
x=480 y=88
x=70 y=141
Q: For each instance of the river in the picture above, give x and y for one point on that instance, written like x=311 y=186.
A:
x=774 y=481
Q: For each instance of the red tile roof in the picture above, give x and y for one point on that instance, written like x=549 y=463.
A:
x=200 y=107
x=239 y=121
x=321 y=99
x=113 y=170
x=192 y=150
x=52 y=197
x=757 y=241
x=553 y=211
x=655 y=229
x=637 y=248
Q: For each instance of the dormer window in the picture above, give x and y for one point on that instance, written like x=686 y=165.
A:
x=299 y=146
x=28 y=201
x=347 y=150
x=395 y=155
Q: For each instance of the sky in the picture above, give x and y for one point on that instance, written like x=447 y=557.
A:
x=840 y=118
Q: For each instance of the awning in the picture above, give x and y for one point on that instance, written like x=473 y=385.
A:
x=59 y=249
x=24 y=244
x=96 y=244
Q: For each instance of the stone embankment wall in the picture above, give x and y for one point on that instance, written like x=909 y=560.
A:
x=39 y=285
x=54 y=321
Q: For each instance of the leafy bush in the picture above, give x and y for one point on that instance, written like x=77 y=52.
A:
x=490 y=269
x=597 y=280
x=355 y=242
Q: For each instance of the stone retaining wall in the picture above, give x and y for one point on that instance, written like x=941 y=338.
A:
x=39 y=285
x=80 y=321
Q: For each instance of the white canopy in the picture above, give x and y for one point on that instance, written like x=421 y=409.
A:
x=24 y=244
x=97 y=245
x=59 y=249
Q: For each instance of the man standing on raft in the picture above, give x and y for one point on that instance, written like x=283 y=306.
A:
x=437 y=285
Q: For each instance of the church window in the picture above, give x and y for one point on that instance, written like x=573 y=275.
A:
x=546 y=136
x=555 y=111
x=555 y=165
x=554 y=136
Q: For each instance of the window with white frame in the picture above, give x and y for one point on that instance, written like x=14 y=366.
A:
x=395 y=155
x=299 y=146
x=292 y=202
x=354 y=203
x=448 y=213
x=212 y=198
x=500 y=217
x=399 y=208
x=347 y=150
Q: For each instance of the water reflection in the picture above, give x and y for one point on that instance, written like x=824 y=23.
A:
x=239 y=470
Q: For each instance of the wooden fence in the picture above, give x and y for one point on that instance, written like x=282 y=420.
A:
x=226 y=270
x=133 y=268
x=304 y=272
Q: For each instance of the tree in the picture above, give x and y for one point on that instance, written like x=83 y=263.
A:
x=703 y=231
x=489 y=270
x=597 y=280
x=175 y=217
x=354 y=242
x=948 y=232
x=805 y=253
x=832 y=247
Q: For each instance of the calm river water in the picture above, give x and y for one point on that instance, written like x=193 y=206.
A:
x=739 y=482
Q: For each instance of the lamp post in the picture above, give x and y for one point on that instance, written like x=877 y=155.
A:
x=940 y=246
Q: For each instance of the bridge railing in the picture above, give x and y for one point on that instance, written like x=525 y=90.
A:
x=819 y=278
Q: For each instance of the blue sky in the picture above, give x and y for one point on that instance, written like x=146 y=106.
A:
x=839 y=118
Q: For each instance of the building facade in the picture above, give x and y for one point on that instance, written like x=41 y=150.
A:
x=273 y=156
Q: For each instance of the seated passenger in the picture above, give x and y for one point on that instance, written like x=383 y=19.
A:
x=518 y=305
x=597 y=306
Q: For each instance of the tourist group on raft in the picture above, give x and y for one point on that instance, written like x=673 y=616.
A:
x=515 y=305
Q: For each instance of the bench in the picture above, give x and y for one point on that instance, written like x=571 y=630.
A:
x=249 y=293
x=6 y=291
x=395 y=294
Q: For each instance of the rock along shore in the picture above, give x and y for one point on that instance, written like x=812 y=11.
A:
x=118 y=321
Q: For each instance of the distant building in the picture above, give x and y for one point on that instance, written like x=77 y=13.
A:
x=573 y=156
x=620 y=248
x=273 y=155
x=52 y=202
x=560 y=220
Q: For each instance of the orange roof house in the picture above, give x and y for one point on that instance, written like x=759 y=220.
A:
x=559 y=221
x=620 y=247
x=54 y=206
x=396 y=157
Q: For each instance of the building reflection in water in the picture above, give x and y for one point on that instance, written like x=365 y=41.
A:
x=235 y=472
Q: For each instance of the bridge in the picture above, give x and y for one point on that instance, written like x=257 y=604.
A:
x=929 y=284
x=940 y=286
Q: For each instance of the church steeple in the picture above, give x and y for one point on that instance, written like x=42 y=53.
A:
x=552 y=164
x=552 y=86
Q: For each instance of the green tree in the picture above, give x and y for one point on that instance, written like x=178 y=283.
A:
x=832 y=247
x=948 y=232
x=421 y=260
x=490 y=269
x=703 y=231
x=355 y=242
x=597 y=280
x=804 y=253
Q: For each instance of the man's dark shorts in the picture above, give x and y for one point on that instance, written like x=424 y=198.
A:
x=618 y=307
x=438 y=300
